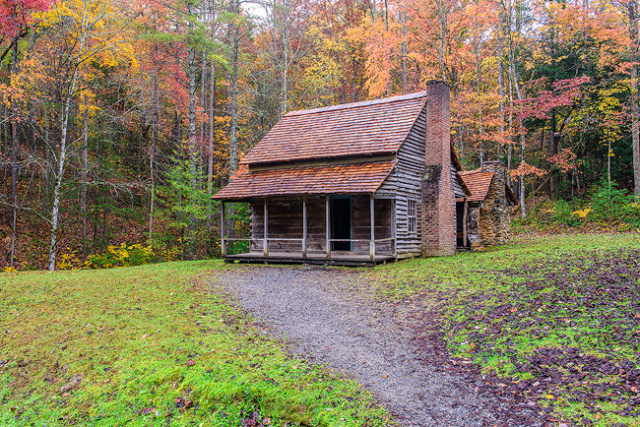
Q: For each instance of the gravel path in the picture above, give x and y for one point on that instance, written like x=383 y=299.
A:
x=326 y=319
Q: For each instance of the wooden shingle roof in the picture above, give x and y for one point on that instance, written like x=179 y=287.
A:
x=350 y=130
x=478 y=183
x=356 y=178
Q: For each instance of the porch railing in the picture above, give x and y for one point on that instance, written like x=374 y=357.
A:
x=328 y=241
x=328 y=250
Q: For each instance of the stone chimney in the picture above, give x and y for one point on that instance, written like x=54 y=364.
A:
x=438 y=216
x=495 y=215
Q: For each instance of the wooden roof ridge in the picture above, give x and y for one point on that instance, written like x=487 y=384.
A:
x=478 y=182
x=455 y=157
x=464 y=185
x=351 y=105
x=471 y=172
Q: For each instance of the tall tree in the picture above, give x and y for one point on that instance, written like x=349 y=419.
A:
x=79 y=28
x=630 y=11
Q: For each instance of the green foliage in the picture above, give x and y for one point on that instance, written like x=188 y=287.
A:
x=121 y=256
x=613 y=204
x=240 y=217
x=155 y=346
x=563 y=213
x=610 y=207
x=187 y=202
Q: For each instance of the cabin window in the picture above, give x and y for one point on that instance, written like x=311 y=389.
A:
x=412 y=216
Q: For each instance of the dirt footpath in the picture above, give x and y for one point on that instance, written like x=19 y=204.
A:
x=329 y=321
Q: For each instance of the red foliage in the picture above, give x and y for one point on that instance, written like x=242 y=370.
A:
x=526 y=169
x=16 y=14
x=565 y=160
x=564 y=93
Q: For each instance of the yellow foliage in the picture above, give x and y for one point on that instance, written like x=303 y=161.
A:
x=97 y=22
x=582 y=214
x=68 y=262
x=121 y=256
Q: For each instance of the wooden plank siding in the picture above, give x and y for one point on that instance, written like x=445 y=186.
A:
x=285 y=220
x=458 y=190
x=405 y=182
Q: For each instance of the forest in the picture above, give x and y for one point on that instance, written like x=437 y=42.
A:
x=119 y=119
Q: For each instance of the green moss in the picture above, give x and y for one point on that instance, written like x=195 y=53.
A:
x=152 y=345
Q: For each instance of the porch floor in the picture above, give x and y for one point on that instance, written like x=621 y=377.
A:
x=337 y=258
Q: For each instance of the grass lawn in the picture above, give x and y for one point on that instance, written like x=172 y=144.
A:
x=152 y=346
x=554 y=320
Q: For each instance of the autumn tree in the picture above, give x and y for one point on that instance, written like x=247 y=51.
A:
x=16 y=17
x=630 y=14
x=82 y=31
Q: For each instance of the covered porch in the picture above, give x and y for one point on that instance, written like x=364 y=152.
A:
x=333 y=229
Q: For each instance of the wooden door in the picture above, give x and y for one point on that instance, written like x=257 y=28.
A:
x=342 y=222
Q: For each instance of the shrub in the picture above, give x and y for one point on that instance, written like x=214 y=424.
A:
x=609 y=206
x=563 y=213
x=121 y=256
x=69 y=261
x=610 y=203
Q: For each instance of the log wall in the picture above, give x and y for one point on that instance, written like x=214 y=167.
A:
x=405 y=183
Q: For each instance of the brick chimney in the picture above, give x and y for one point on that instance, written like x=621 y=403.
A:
x=438 y=217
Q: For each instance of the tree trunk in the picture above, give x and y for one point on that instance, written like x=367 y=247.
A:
x=501 y=93
x=15 y=155
x=57 y=190
x=516 y=85
x=84 y=178
x=635 y=128
x=553 y=149
x=632 y=13
x=152 y=153
x=62 y=157
x=212 y=112
x=192 y=145
x=233 y=143
x=609 y=162
x=404 y=51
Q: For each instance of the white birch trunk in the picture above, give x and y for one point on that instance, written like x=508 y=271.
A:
x=62 y=157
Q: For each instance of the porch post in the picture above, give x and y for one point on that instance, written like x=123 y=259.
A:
x=328 y=224
x=372 y=243
x=304 y=226
x=223 y=241
x=394 y=228
x=265 y=242
x=464 y=223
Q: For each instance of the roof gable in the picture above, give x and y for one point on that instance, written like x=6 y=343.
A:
x=478 y=182
x=349 y=130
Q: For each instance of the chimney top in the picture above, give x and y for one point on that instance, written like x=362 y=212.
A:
x=492 y=166
x=433 y=82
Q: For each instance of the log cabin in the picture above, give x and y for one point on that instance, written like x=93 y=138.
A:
x=354 y=184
